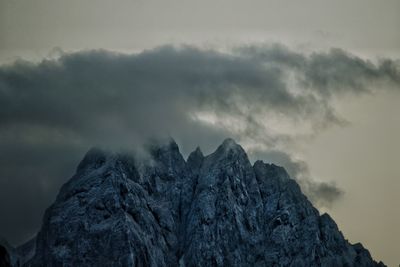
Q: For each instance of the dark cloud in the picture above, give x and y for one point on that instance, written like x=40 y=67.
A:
x=53 y=111
x=329 y=73
x=322 y=194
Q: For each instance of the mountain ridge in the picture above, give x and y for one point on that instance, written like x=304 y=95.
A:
x=213 y=210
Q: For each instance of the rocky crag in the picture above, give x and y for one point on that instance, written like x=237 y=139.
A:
x=215 y=210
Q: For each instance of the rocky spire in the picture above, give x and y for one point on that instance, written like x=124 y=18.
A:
x=229 y=145
x=195 y=159
x=95 y=158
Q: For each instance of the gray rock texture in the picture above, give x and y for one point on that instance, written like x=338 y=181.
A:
x=215 y=210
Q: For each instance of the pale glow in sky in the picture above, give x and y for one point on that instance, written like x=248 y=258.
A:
x=363 y=158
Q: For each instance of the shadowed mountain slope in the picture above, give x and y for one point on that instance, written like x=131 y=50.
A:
x=215 y=210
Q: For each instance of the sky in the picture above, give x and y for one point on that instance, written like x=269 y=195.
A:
x=312 y=85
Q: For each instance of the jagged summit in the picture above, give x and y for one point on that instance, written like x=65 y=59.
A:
x=95 y=156
x=195 y=159
x=270 y=169
x=162 y=144
x=197 y=153
x=214 y=210
x=228 y=151
x=229 y=142
x=230 y=145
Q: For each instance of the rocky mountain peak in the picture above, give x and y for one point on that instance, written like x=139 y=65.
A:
x=229 y=145
x=164 y=150
x=197 y=153
x=195 y=159
x=166 y=156
x=95 y=157
x=228 y=153
x=214 y=210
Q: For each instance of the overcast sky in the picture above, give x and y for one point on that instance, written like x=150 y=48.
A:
x=311 y=85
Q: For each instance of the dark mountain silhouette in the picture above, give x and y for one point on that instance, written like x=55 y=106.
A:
x=215 y=210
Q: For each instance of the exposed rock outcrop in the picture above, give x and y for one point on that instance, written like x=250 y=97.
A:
x=215 y=210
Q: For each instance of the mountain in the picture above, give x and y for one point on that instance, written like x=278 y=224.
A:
x=160 y=210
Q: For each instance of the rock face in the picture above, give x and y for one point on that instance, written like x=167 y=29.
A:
x=215 y=210
x=4 y=257
x=8 y=254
